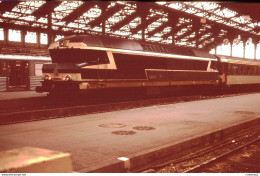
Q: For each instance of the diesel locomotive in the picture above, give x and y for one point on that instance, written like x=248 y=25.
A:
x=81 y=63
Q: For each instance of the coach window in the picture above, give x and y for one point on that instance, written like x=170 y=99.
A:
x=229 y=70
x=38 y=69
x=252 y=70
x=214 y=65
x=235 y=69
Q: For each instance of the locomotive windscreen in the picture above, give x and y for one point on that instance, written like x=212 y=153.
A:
x=91 y=57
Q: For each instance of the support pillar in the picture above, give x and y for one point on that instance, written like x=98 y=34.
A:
x=196 y=39
x=244 y=49
x=50 y=34
x=143 y=10
x=244 y=40
x=6 y=32
x=103 y=24
x=38 y=39
x=142 y=23
x=23 y=34
x=174 y=18
x=231 y=47
x=255 y=42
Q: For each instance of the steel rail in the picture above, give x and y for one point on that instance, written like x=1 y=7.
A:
x=203 y=151
x=216 y=159
x=25 y=116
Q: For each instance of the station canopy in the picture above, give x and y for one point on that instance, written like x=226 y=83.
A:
x=195 y=24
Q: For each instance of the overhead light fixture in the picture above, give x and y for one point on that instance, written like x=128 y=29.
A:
x=236 y=41
x=203 y=20
x=225 y=41
x=246 y=17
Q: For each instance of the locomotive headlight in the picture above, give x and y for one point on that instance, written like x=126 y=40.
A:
x=67 y=78
x=47 y=77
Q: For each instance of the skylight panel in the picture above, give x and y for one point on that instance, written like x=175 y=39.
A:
x=65 y=8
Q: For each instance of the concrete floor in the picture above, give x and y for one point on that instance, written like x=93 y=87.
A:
x=93 y=146
x=20 y=94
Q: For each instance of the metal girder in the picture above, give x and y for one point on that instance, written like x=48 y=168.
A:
x=206 y=38
x=213 y=44
x=147 y=23
x=199 y=35
x=173 y=19
x=216 y=42
x=244 y=8
x=189 y=32
x=141 y=11
x=210 y=22
x=125 y=21
x=175 y=30
x=35 y=29
x=80 y=10
x=8 y=6
x=215 y=32
x=180 y=13
x=227 y=20
x=105 y=15
x=46 y=8
x=158 y=29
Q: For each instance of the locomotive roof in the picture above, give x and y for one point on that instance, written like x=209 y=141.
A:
x=126 y=44
x=238 y=60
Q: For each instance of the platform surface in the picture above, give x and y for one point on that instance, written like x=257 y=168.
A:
x=20 y=94
x=90 y=140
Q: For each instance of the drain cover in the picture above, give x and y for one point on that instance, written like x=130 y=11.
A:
x=113 y=125
x=143 y=128
x=123 y=132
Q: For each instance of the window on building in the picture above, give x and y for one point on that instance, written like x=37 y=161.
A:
x=2 y=34
x=14 y=35
x=44 y=38
x=30 y=37
x=38 y=69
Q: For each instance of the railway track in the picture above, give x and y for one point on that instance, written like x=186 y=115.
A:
x=220 y=158
x=33 y=115
x=205 y=158
x=69 y=109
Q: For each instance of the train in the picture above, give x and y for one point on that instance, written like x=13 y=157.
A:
x=81 y=63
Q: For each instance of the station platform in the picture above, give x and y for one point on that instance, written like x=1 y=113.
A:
x=121 y=140
x=8 y=95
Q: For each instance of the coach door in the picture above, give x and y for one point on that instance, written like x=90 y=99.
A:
x=18 y=75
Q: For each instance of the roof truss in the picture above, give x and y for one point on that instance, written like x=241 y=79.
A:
x=158 y=21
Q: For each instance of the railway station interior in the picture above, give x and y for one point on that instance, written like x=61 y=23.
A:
x=155 y=84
